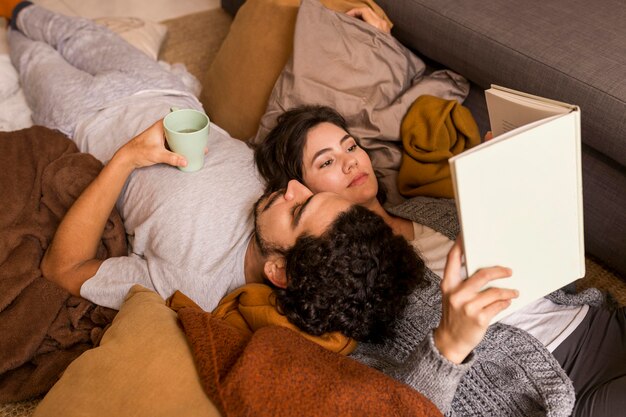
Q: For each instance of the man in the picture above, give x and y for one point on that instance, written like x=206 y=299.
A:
x=195 y=232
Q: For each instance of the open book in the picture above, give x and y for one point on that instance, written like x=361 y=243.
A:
x=519 y=195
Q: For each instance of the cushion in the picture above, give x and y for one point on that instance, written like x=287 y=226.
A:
x=259 y=43
x=528 y=46
x=144 y=35
x=143 y=367
x=568 y=50
x=384 y=80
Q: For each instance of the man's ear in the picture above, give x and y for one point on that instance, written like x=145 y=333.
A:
x=274 y=269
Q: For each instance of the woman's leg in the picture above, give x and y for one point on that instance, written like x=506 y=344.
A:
x=594 y=357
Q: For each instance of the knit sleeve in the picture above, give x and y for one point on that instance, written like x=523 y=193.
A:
x=430 y=373
x=568 y=296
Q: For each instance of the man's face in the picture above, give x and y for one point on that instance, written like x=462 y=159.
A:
x=281 y=217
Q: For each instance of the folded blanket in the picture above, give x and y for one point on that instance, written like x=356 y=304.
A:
x=43 y=328
x=276 y=372
x=252 y=307
x=433 y=130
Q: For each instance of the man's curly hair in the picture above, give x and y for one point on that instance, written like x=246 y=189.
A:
x=355 y=278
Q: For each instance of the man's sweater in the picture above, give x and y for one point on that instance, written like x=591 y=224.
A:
x=510 y=373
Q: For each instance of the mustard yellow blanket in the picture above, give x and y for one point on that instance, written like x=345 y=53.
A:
x=252 y=307
x=433 y=130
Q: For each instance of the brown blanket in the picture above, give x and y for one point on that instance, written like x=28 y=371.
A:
x=277 y=372
x=42 y=327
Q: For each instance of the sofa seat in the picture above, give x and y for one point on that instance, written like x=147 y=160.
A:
x=567 y=50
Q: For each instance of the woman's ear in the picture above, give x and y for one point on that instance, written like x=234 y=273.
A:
x=274 y=269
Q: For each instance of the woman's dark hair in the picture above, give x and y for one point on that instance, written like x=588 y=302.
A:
x=355 y=278
x=279 y=156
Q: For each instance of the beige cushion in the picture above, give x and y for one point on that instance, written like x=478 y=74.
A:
x=145 y=35
x=365 y=74
x=143 y=367
x=259 y=43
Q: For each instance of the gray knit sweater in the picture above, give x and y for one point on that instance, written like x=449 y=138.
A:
x=510 y=373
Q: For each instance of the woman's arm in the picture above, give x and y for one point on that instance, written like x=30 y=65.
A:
x=467 y=308
x=369 y=16
x=70 y=259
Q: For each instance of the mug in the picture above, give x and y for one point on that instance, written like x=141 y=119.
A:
x=187 y=134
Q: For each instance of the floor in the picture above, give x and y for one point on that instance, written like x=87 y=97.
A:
x=155 y=10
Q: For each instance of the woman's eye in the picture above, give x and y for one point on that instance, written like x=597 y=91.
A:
x=326 y=163
x=352 y=148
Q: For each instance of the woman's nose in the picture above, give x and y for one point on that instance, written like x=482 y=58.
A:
x=295 y=189
x=349 y=163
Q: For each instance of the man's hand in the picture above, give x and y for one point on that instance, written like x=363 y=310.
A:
x=149 y=148
x=467 y=309
x=368 y=16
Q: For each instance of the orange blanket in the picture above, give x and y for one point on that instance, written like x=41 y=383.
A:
x=42 y=327
x=276 y=372
x=433 y=130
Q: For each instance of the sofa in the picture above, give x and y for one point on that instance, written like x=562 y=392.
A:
x=145 y=316
x=571 y=51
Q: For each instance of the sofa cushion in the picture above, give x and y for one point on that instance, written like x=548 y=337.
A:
x=240 y=79
x=143 y=367
x=568 y=50
x=145 y=35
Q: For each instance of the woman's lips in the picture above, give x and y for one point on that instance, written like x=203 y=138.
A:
x=359 y=179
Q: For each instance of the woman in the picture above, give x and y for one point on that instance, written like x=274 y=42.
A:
x=516 y=362
x=313 y=145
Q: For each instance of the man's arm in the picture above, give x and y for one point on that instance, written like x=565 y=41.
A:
x=71 y=257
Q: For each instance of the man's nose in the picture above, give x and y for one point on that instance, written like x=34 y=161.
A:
x=295 y=189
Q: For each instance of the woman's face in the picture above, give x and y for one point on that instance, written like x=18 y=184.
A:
x=332 y=161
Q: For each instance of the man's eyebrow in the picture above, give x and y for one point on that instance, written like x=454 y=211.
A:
x=296 y=218
x=321 y=151
x=270 y=201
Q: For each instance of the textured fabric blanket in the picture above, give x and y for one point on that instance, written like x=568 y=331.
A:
x=252 y=307
x=277 y=372
x=433 y=130
x=42 y=327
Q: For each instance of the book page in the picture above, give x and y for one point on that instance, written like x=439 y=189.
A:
x=509 y=109
x=520 y=206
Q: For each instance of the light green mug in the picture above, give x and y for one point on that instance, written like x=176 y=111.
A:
x=187 y=134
